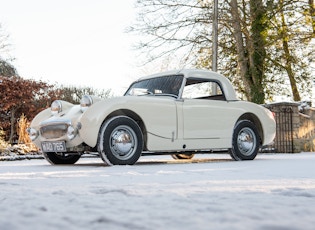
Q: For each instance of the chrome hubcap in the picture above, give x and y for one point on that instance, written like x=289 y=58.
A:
x=123 y=142
x=246 y=141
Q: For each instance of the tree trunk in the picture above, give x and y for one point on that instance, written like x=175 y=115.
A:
x=12 y=124
x=251 y=53
x=288 y=58
x=257 y=51
x=241 y=51
x=312 y=14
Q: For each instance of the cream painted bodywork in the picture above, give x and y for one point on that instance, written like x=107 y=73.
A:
x=169 y=124
x=71 y=114
x=177 y=125
x=158 y=115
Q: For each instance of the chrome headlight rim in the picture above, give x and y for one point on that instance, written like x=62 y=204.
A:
x=85 y=102
x=56 y=107
x=71 y=132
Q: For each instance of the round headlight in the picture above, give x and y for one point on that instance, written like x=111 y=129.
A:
x=86 y=102
x=56 y=107
x=33 y=133
x=71 y=132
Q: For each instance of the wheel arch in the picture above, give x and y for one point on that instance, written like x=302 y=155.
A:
x=134 y=116
x=255 y=120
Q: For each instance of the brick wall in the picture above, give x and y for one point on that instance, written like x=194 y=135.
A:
x=306 y=132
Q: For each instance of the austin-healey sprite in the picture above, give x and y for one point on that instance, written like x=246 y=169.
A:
x=181 y=113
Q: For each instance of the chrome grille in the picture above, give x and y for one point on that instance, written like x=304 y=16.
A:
x=54 y=131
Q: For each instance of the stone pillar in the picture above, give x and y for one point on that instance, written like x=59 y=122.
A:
x=307 y=130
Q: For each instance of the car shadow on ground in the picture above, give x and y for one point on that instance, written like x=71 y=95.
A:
x=151 y=161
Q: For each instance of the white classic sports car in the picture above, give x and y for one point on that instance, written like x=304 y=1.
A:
x=178 y=112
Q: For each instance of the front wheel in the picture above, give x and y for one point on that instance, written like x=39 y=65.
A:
x=245 y=142
x=120 y=141
x=58 y=158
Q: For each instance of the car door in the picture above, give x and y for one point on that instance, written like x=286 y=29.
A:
x=155 y=104
x=206 y=113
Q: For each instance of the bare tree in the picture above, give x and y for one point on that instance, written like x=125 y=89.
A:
x=170 y=27
x=290 y=51
x=6 y=69
x=250 y=43
x=187 y=25
x=73 y=94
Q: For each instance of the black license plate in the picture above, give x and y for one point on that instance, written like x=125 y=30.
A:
x=54 y=146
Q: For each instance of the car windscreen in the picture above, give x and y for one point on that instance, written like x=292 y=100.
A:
x=159 y=86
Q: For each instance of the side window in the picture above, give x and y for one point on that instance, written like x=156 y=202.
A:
x=197 y=89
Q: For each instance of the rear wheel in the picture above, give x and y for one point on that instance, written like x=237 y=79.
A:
x=245 y=142
x=61 y=158
x=120 y=141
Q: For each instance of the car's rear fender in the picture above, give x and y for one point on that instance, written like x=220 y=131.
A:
x=263 y=120
x=255 y=120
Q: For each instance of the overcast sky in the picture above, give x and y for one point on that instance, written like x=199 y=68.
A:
x=76 y=42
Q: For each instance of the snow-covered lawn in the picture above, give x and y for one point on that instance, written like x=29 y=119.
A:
x=275 y=191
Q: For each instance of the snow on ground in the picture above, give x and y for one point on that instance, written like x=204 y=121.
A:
x=275 y=191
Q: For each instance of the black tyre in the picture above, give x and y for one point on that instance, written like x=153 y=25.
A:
x=182 y=156
x=56 y=159
x=245 y=142
x=120 y=141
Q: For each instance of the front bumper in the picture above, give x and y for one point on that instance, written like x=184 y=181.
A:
x=60 y=134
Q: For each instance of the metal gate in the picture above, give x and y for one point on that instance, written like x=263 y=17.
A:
x=283 y=142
